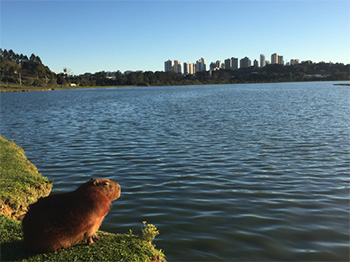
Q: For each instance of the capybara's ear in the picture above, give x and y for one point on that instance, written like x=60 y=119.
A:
x=105 y=183
x=94 y=181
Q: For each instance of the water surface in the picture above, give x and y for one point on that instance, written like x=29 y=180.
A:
x=229 y=172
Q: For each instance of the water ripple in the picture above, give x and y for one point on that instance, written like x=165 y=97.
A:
x=242 y=172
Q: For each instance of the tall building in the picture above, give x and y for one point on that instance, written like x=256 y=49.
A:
x=193 y=68
x=169 y=66
x=274 y=58
x=234 y=63
x=201 y=65
x=280 y=60
x=228 y=64
x=177 y=66
x=189 y=68
x=245 y=62
x=186 y=68
x=262 y=60
x=256 y=63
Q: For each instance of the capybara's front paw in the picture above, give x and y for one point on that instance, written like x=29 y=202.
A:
x=90 y=241
x=95 y=236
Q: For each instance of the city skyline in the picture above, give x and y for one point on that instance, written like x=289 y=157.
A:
x=232 y=63
x=92 y=36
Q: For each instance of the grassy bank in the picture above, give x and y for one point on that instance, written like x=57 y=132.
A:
x=25 y=88
x=110 y=247
x=22 y=184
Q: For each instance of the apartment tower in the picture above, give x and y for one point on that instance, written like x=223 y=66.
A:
x=262 y=60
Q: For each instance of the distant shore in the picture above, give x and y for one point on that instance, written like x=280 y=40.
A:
x=6 y=88
x=342 y=84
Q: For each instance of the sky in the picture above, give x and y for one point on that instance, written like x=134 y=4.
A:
x=110 y=35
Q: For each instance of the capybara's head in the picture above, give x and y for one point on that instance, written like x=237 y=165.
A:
x=107 y=187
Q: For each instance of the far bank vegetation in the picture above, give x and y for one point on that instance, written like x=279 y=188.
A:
x=19 y=69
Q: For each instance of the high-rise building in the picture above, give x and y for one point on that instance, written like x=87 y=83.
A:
x=245 y=62
x=234 y=63
x=189 y=68
x=201 y=65
x=186 y=68
x=177 y=66
x=228 y=64
x=256 y=63
x=280 y=60
x=262 y=60
x=274 y=58
x=169 y=66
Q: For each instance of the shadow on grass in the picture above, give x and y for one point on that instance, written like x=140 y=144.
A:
x=13 y=251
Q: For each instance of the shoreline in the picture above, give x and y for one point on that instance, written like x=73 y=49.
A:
x=9 y=88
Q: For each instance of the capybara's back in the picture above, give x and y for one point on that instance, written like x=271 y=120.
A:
x=62 y=220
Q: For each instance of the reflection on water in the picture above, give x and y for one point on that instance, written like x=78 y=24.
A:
x=232 y=172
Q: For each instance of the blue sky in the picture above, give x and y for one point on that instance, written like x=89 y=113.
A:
x=91 y=36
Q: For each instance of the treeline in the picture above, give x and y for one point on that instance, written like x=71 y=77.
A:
x=270 y=73
x=19 y=69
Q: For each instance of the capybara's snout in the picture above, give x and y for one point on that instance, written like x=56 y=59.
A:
x=118 y=190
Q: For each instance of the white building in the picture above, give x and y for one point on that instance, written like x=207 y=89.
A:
x=177 y=66
x=274 y=58
x=189 y=68
x=201 y=65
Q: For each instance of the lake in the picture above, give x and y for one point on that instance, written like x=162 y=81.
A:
x=251 y=172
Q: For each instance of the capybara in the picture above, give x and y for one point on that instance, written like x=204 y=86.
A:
x=62 y=220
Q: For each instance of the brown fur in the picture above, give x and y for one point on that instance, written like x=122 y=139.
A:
x=63 y=220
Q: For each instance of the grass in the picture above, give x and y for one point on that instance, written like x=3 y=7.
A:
x=110 y=247
x=20 y=182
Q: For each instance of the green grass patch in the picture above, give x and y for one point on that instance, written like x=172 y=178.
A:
x=110 y=247
x=20 y=182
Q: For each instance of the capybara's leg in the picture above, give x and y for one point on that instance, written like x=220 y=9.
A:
x=90 y=241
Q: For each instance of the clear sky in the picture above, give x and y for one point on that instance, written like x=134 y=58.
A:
x=91 y=36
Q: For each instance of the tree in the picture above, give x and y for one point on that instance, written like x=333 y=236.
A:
x=32 y=58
